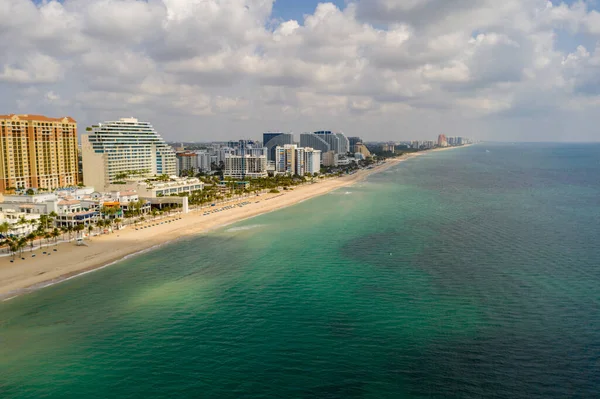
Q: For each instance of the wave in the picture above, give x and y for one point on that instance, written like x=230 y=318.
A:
x=244 y=228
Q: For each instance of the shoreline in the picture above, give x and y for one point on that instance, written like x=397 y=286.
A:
x=34 y=273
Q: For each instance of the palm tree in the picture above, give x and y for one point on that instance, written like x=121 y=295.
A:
x=79 y=228
x=117 y=222
x=20 y=244
x=31 y=238
x=100 y=224
x=51 y=217
x=55 y=234
x=64 y=230
x=90 y=229
x=13 y=247
x=70 y=231
x=47 y=236
x=4 y=228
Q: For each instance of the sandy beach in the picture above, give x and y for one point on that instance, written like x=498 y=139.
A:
x=69 y=260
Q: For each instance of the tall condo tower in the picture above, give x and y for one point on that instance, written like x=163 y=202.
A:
x=37 y=152
x=124 y=147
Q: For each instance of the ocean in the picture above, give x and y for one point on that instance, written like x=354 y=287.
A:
x=470 y=273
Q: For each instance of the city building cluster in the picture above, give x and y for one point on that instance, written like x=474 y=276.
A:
x=444 y=141
x=125 y=167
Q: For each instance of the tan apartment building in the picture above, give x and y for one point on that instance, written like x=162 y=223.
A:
x=37 y=152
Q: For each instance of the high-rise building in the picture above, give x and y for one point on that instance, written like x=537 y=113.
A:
x=187 y=162
x=127 y=147
x=312 y=140
x=285 y=159
x=37 y=152
x=204 y=161
x=312 y=160
x=272 y=140
x=300 y=167
x=245 y=167
x=389 y=147
x=225 y=152
x=442 y=141
x=332 y=139
x=344 y=143
x=353 y=141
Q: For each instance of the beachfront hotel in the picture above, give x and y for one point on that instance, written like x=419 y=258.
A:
x=285 y=159
x=293 y=160
x=245 y=167
x=118 y=149
x=37 y=152
x=312 y=160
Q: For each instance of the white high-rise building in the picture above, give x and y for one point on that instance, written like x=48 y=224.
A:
x=312 y=161
x=300 y=167
x=204 y=161
x=344 y=143
x=291 y=159
x=245 y=167
x=126 y=147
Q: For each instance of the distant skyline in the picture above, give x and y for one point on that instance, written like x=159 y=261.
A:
x=207 y=70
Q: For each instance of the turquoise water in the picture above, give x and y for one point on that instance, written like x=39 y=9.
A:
x=459 y=274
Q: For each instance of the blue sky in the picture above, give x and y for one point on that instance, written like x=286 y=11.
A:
x=295 y=9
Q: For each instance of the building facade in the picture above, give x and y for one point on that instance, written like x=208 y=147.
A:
x=285 y=159
x=331 y=138
x=389 y=147
x=37 y=152
x=344 y=143
x=156 y=188
x=360 y=148
x=117 y=149
x=330 y=159
x=300 y=166
x=272 y=140
x=442 y=141
x=353 y=141
x=187 y=162
x=311 y=140
x=246 y=167
x=312 y=161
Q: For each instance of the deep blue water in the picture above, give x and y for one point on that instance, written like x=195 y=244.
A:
x=459 y=274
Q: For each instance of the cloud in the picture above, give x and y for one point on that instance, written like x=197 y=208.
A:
x=230 y=67
x=32 y=68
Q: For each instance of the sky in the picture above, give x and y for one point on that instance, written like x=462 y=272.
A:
x=199 y=70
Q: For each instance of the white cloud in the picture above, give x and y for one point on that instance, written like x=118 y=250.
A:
x=32 y=68
x=228 y=66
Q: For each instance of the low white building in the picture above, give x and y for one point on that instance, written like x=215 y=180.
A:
x=154 y=188
x=344 y=161
x=20 y=223
x=41 y=204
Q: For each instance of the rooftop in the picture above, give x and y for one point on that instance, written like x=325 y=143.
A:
x=69 y=202
x=41 y=118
